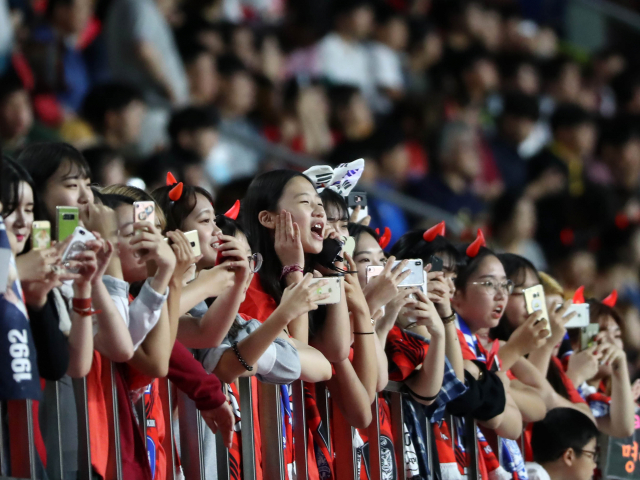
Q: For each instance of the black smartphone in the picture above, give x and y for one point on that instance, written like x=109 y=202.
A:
x=436 y=263
x=357 y=199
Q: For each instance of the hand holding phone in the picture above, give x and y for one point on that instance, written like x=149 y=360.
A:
x=535 y=301
x=144 y=212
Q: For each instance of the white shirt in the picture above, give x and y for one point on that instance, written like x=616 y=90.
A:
x=345 y=63
x=537 y=472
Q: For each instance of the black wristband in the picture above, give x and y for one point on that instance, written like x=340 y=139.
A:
x=420 y=397
x=248 y=367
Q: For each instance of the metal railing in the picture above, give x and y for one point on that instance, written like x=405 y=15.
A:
x=22 y=461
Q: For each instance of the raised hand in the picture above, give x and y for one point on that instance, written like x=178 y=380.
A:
x=149 y=245
x=235 y=257
x=185 y=259
x=531 y=335
x=37 y=265
x=218 y=279
x=425 y=313
x=381 y=289
x=302 y=297
x=288 y=244
x=439 y=291
x=354 y=217
x=584 y=365
x=356 y=301
x=557 y=320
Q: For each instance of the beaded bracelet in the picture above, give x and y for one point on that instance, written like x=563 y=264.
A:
x=449 y=319
x=289 y=269
x=248 y=367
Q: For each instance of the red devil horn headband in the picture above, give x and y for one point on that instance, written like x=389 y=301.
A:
x=578 y=297
x=233 y=212
x=384 y=240
x=171 y=180
x=176 y=192
x=478 y=243
x=431 y=234
x=611 y=300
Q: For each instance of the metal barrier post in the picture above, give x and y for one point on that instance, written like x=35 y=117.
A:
x=190 y=438
x=84 y=437
x=168 y=444
x=246 y=424
x=471 y=432
x=113 y=415
x=271 y=431
x=429 y=444
x=373 y=432
x=55 y=467
x=397 y=426
x=223 y=464
x=322 y=399
x=300 y=431
x=21 y=445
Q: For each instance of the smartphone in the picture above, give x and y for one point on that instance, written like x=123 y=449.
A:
x=436 y=263
x=349 y=246
x=358 y=199
x=40 y=235
x=144 y=212
x=194 y=241
x=588 y=335
x=535 y=301
x=415 y=278
x=332 y=288
x=581 y=319
x=374 y=271
x=77 y=245
x=68 y=221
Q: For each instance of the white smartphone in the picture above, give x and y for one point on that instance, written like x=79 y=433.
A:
x=194 y=241
x=349 y=245
x=415 y=278
x=77 y=245
x=332 y=288
x=581 y=319
x=535 y=300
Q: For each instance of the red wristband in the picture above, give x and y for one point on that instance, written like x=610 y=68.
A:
x=289 y=269
x=81 y=303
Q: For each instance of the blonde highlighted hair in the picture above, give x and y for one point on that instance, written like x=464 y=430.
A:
x=550 y=285
x=137 y=195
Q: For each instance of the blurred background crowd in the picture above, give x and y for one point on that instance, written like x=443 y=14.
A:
x=518 y=116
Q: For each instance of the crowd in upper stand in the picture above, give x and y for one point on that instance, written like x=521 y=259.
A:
x=479 y=108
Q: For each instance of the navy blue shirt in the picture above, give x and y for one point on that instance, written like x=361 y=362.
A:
x=19 y=378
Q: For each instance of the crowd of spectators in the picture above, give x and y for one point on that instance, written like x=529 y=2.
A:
x=478 y=108
x=466 y=105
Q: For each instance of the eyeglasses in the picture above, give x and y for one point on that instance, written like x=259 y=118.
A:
x=255 y=262
x=595 y=454
x=492 y=287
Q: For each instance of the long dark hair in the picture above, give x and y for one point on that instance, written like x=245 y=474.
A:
x=264 y=194
x=176 y=212
x=515 y=267
x=42 y=160
x=12 y=174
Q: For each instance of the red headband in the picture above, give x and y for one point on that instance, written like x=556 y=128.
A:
x=431 y=234
x=233 y=212
x=578 y=297
x=611 y=300
x=478 y=243
x=385 y=238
